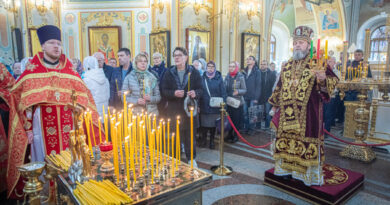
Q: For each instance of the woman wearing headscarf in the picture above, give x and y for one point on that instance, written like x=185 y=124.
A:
x=212 y=87
x=142 y=87
x=23 y=63
x=204 y=65
x=235 y=88
x=97 y=83
x=198 y=66
x=78 y=67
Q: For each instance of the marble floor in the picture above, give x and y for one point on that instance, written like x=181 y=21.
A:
x=246 y=184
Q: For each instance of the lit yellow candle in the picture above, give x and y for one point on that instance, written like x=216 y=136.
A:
x=100 y=130
x=154 y=122
x=168 y=129
x=177 y=142
x=177 y=151
x=164 y=144
x=92 y=128
x=135 y=129
x=89 y=136
x=140 y=151
x=127 y=161
x=326 y=49
x=120 y=142
x=192 y=136
x=157 y=149
x=151 y=157
x=173 y=160
x=125 y=113
x=132 y=150
x=144 y=143
x=105 y=124
x=160 y=144
x=189 y=81
x=115 y=149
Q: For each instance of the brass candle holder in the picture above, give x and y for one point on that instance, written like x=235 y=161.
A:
x=33 y=186
x=107 y=166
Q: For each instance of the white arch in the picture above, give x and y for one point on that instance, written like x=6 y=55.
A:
x=283 y=41
x=371 y=24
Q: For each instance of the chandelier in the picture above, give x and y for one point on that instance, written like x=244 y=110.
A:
x=11 y=5
x=42 y=6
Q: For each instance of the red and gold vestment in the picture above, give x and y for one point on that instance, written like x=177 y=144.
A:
x=299 y=142
x=48 y=88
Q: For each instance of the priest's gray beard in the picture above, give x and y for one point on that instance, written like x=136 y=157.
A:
x=299 y=55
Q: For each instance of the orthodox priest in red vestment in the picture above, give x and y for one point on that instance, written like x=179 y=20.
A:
x=7 y=106
x=44 y=96
x=297 y=101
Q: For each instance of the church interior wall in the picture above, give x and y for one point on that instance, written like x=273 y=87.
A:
x=175 y=16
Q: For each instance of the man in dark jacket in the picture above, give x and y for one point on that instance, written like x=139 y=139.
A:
x=351 y=95
x=159 y=69
x=267 y=81
x=251 y=97
x=118 y=75
x=175 y=88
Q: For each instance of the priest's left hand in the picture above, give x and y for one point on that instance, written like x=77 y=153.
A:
x=320 y=74
x=191 y=93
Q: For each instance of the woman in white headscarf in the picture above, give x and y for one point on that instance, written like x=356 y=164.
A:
x=23 y=64
x=97 y=83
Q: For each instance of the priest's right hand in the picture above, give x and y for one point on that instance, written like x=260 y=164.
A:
x=141 y=101
x=30 y=137
x=179 y=93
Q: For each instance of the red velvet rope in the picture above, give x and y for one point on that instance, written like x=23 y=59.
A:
x=269 y=143
x=357 y=144
x=244 y=140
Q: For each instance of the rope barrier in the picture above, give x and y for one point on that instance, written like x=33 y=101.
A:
x=356 y=144
x=244 y=140
x=330 y=134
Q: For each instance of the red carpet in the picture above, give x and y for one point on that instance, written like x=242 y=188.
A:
x=340 y=185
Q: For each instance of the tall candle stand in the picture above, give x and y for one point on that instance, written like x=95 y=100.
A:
x=361 y=117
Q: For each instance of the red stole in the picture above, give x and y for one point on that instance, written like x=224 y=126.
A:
x=56 y=122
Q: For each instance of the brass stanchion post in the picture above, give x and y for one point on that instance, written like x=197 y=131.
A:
x=220 y=169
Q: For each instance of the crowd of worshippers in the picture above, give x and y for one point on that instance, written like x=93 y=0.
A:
x=162 y=91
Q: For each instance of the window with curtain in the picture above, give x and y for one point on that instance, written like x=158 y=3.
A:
x=378 y=45
x=272 y=49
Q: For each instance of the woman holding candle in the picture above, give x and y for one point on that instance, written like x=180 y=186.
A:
x=212 y=87
x=235 y=88
x=176 y=85
x=142 y=86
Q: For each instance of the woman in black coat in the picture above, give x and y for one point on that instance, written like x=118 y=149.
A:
x=213 y=86
x=175 y=89
x=235 y=88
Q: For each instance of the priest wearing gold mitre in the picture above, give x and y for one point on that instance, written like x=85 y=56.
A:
x=44 y=96
x=297 y=101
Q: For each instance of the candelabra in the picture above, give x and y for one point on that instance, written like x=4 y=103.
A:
x=11 y=5
x=160 y=4
x=43 y=6
x=360 y=83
